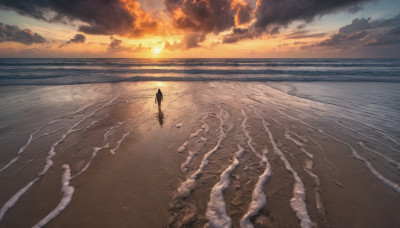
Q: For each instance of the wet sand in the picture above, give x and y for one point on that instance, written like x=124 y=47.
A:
x=304 y=163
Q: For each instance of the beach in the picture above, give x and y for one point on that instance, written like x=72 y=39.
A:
x=219 y=153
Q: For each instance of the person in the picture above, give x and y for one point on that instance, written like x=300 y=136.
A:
x=159 y=98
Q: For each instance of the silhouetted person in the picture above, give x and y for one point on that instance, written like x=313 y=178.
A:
x=159 y=98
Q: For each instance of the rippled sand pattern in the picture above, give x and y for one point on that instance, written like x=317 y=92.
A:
x=218 y=154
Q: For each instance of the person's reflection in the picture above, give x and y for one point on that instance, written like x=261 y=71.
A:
x=160 y=117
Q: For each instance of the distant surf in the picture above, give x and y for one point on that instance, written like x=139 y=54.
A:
x=84 y=71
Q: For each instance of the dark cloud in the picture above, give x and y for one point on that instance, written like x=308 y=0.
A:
x=115 y=43
x=238 y=34
x=208 y=16
x=105 y=17
x=340 y=38
x=363 y=33
x=203 y=16
x=360 y=24
x=387 y=38
x=190 y=40
x=283 y=12
x=15 y=34
x=78 y=38
x=302 y=34
x=116 y=46
x=272 y=15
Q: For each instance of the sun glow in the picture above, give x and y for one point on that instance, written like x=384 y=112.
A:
x=157 y=51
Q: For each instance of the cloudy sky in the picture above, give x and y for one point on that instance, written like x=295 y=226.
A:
x=200 y=28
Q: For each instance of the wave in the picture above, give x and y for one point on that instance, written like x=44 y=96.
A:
x=200 y=78
x=87 y=71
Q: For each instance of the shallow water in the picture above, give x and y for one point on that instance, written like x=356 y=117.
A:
x=103 y=155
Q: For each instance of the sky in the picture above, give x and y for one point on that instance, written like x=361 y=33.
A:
x=200 y=28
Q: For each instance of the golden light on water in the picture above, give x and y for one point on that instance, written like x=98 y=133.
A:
x=160 y=84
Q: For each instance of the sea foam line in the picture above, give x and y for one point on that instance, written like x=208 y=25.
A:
x=30 y=139
x=389 y=183
x=14 y=199
x=391 y=161
x=247 y=134
x=183 y=147
x=204 y=128
x=67 y=191
x=258 y=198
x=216 y=207
x=95 y=150
x=299 y=196
x=309 y=162
x=368 y=137
x=111 y=130
x=112 y=151
x=22 y=149
x=186 y=187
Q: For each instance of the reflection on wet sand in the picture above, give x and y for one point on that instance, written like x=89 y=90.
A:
x=160 y=117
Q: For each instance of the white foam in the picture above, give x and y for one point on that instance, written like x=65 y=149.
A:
x=389 y=183
x=111 y=130
x=247 y=134
x=95 y=150
x=196 y=133
x=299 y=196
x=22 y=149
x=258 y=198
x=188 y=160
x=67 y=191
x=10 y=163
x=183 y=147
x=391 y=161
x=119 y=142
x=14 y=199
x=308 y=168
x=186 y=187
x=366 y=136
x=49 y=133
x=205 y=126
x=287 y=136
x=216 y=207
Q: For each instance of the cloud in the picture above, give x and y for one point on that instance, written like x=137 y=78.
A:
x=116 y=46
x=303 y=34
x=105 y=17
x=271 y=12
x=271 y=15
x=190 y=40
x=208 y=16
x=364 y=33
x=238 y=34
x=340 y=38
x=15 y=34
x=387 y=38
x=78 y=38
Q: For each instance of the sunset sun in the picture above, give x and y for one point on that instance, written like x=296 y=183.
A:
x=200 y=113
x=157 y=51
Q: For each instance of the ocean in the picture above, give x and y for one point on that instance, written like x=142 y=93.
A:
x=234 y=143
x=80 y=71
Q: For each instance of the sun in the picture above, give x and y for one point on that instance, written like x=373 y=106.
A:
x=157 y=50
